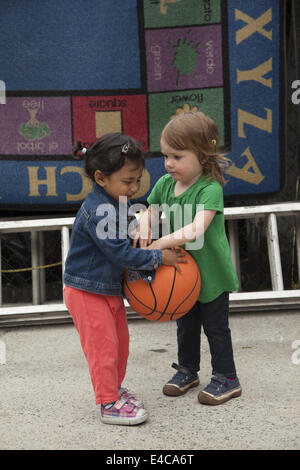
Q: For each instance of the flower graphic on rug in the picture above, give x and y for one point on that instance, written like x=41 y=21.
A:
x=185 y=60
x=164 y=7
x=186 y=108
x=34 y=129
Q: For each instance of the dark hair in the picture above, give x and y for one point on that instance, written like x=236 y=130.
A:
x=109 y=154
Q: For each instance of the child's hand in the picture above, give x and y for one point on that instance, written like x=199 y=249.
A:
x=143 y=239
x=143 y=234
x=173 y=257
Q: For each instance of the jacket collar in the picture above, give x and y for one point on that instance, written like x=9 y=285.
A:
x=104 y=195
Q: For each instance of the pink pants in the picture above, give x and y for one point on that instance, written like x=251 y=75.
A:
x=102 y=326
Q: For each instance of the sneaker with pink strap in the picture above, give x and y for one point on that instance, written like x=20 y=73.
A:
x=123 y=412
x=126 y=395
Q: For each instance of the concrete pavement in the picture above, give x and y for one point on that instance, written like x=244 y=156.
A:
x=47 y=402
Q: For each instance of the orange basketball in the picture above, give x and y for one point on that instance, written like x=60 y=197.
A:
x=170 y=296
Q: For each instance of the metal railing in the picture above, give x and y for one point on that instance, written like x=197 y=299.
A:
x=40 y=312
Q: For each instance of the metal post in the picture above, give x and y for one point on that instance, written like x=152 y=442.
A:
x=234 y=247
x=42 y=272
x=298 y=243
x=65 y=244
x=34 y=273
x=274 y=253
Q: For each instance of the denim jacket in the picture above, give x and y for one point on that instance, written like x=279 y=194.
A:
x=100 y=249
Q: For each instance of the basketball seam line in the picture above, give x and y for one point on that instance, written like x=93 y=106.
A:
x=170 y=295
x=172 y=315
x=138 y=300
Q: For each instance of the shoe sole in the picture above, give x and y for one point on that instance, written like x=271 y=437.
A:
x=208 y=399
x=173 y=390
x=124 y=421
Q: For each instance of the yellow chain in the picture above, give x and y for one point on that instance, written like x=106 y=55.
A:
x=30 y=269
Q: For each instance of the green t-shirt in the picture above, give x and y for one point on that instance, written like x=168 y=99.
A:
x=214 y=257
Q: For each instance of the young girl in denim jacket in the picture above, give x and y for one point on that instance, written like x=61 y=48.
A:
x=100 y=252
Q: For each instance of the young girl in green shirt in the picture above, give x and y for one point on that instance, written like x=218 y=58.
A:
x=194 y=180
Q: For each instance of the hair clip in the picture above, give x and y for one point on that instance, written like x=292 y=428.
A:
x=214 y=142
x=125 y=148
x=84 y=150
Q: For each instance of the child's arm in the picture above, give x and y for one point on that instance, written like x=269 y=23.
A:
x=117 y=247
x=186 y=234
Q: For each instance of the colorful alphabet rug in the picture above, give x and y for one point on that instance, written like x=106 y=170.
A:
x=77 y=69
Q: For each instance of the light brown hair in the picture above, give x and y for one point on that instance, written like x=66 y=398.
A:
x=197 y=132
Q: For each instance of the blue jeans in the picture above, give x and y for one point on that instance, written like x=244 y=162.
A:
x=213 y=316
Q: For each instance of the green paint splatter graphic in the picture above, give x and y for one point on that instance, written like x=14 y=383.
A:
x=185 y=60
